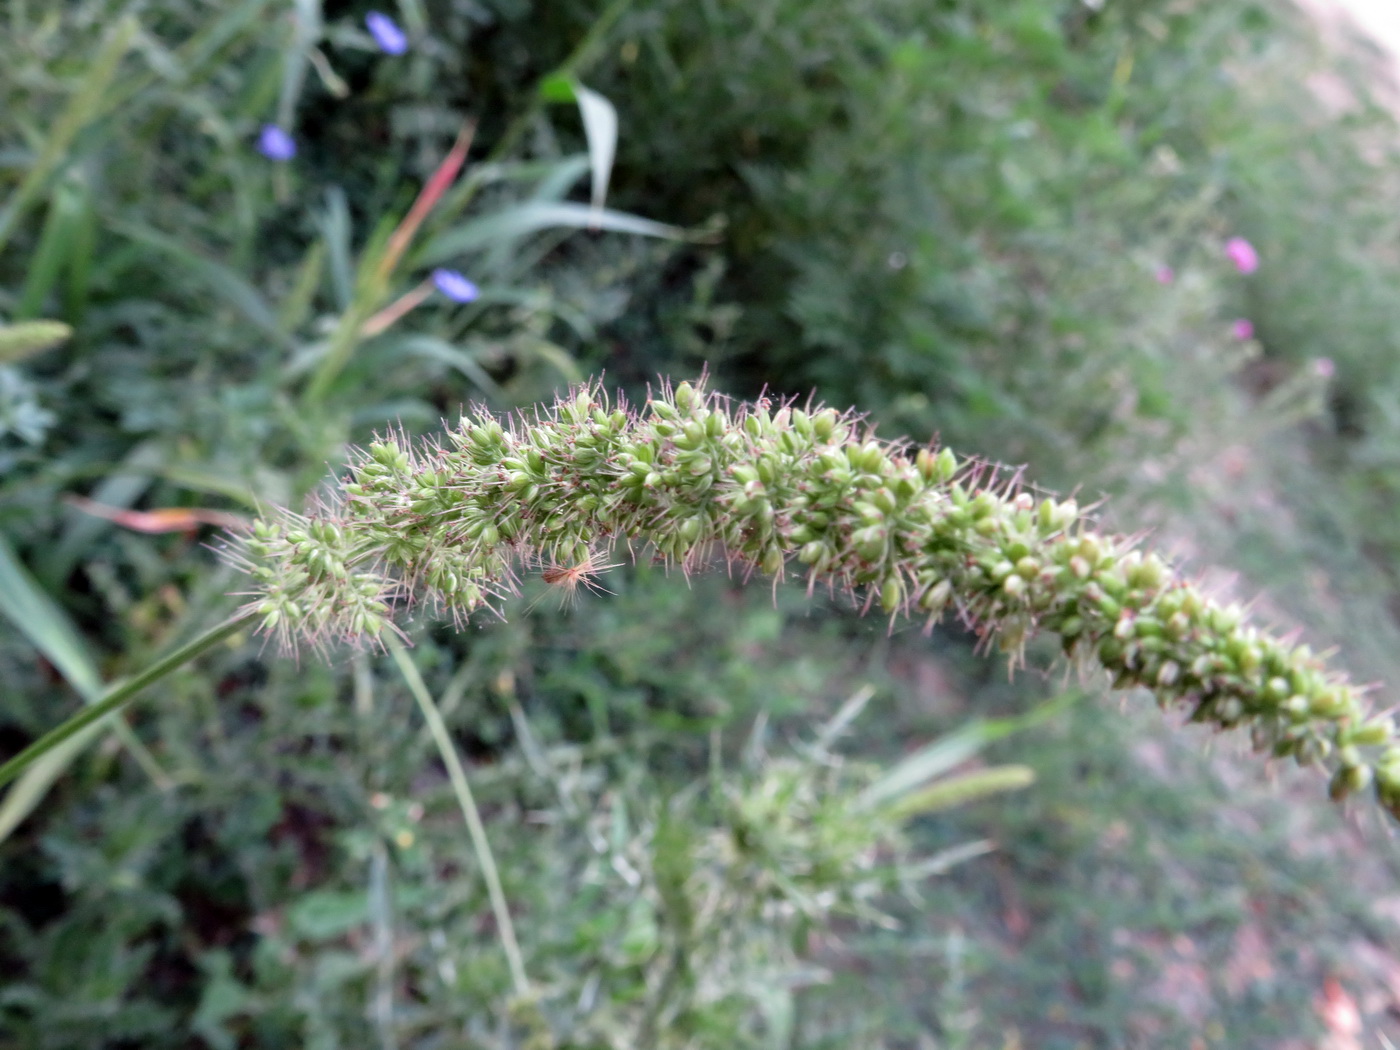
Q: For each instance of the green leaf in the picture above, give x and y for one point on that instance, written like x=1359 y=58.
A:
x=933 y=760
x=557 y=88
x=525 y=219
x=196 y=52
x=948 y=752
x=29 y=790
x=560 y=179
x=221 y=280
x=554 y=355
x=961 y=790
x=306 y=29
x=39 y=619
x=334 y=223
x=58 y=244
x=35 y=615
x=122 y=487
x=93 y=98
x=325 y=914
x=435 y=349
x=297 y=304
x=113 y=700
x=255 y=490
x=600 y=128
x=843 y=718
x=224 y=997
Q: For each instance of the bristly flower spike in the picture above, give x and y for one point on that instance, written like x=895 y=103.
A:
x=915 y=530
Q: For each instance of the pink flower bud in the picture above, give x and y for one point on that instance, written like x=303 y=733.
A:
x=1165 y=275
x=1242 y=254
x=1243 y=329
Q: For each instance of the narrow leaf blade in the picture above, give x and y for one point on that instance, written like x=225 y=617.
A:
x=600 y=128
x=525 y=219
x=36 y=616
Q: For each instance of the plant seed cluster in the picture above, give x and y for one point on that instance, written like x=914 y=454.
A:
x=912 y=530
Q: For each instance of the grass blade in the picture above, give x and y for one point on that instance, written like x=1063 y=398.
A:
x=962 y=790
x=122 y=487
x=40 y=620
x=525 y=219
x=933 y=760
x=600 y=128
x=117 y=697
x=90 y=101
x=480 y=844
x=224 y=282
x=57 y=244
x=334 y=223
x=434 y=349
x=24 y=798
x=948 y=752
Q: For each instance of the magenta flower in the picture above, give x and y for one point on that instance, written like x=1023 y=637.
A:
x=456 y=287
x=1242 y=254
x=386 y=33
x=1325 y=367
x=1243 y=329
x=1165 y=275
x=276 y=144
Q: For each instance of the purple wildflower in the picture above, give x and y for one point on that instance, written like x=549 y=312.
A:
x=1243 y=329
x=1165 y=275
x=1325 y=367
x=456 y=287
x=276 y=144
x=1242 y=254
x=386 y=33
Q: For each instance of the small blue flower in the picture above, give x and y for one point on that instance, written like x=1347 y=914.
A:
x=456 y=287
x=276 y=144
x=386 y=33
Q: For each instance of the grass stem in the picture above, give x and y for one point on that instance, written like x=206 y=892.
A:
x=119 y=695
x=467 y=803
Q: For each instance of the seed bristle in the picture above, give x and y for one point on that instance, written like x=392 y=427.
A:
x=568 y=578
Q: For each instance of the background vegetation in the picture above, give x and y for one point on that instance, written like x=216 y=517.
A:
x=954 y=215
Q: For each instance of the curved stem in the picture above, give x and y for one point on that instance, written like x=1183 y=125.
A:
x=467 y=804
x=119 y=695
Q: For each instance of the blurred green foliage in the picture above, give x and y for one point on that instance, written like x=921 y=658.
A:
x=951 y=214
